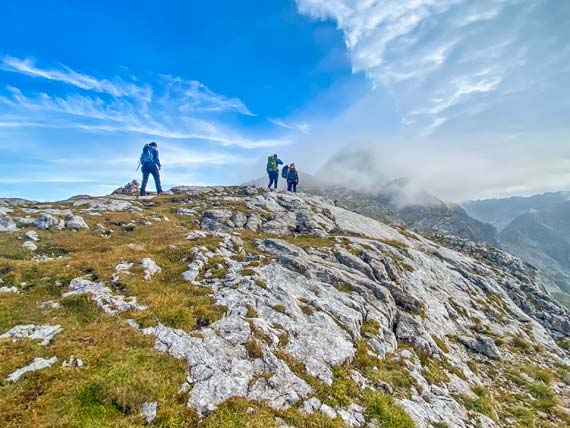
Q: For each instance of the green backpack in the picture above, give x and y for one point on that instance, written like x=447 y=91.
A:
x=271 y=164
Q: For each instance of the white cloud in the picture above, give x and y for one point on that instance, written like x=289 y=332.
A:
x=428 y=54
x=66 y=75
x=302 y=127
x=479 y=92
x=197 y=97
x=174 y=108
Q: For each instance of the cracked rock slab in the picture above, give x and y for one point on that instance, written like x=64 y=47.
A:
x=45 y=333
x=37 y=364
x=103 y=296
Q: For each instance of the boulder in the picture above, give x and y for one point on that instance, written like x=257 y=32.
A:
x=481 y=344
x=75 y=222
x=47 y=221
x=217 y=220
x=133 y=188
x=7 y=224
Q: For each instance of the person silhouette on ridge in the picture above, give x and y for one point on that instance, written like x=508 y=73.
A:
x=150 y=164
x=273 y=163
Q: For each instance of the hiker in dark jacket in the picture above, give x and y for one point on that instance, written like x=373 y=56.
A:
x=273 y=163
x=292 y=178
x=150 y=164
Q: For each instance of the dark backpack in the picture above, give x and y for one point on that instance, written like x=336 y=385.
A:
x=146 y=156
x=284 y=171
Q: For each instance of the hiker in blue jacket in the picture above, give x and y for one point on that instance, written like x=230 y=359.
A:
x=150 y=164
x=273 y=163
x=292 y=178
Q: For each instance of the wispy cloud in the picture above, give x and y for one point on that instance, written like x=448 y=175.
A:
x=302 y=127
x=197 y=97
x=171 y=108
x=117 y=88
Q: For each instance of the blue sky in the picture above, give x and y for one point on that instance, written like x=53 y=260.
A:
x=442 y=89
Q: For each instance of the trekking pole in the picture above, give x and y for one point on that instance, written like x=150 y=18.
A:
x=138 y=166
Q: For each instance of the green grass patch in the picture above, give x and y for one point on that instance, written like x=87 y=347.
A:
x=383 y=410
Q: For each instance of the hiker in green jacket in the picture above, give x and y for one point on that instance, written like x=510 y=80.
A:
x=273 y=163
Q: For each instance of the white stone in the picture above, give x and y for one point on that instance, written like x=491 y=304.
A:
x=7 y=224
x=32 y=235
x=311 y=405
x=45 y=333
x=328 y=411
x=148 y=411
x=72 y=362
x=47 y=221
x=103 y=296
x=29 y=245
x=75 y=222
x=37 y=364
x=50 y=304
x=150 y=268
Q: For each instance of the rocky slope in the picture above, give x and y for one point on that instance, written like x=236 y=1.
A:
x=535 y=229
x=235 y=306
x=359 y=167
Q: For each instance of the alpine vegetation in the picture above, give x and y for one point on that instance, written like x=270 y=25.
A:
x=244 y=307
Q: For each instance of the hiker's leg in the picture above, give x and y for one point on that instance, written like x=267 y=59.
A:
x=145 y=173
x=275 y=178
x=295 y=186
x=289 y=186
x=156 y=174
x=270 y=180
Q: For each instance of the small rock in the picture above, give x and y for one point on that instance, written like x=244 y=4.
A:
x=124 y=267
x=136 y=247
x=186 y=212
x=148 y=411
x=197 y=234
x=150 y=268
x=72 y=362
x=29 y=245
x=353 y=416
x=32 y=235
x=311 y=405
x=9 y=290
x=50 y=304
x=133 y=323
x=328 y=411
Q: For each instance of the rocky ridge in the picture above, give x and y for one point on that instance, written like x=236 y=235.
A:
x=322 y=312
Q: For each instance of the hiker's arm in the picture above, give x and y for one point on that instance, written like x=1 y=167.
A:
x=279 y=162
x=157 y=159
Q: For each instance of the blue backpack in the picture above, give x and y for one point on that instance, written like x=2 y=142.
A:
x=146 y=156
x=284 y=171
